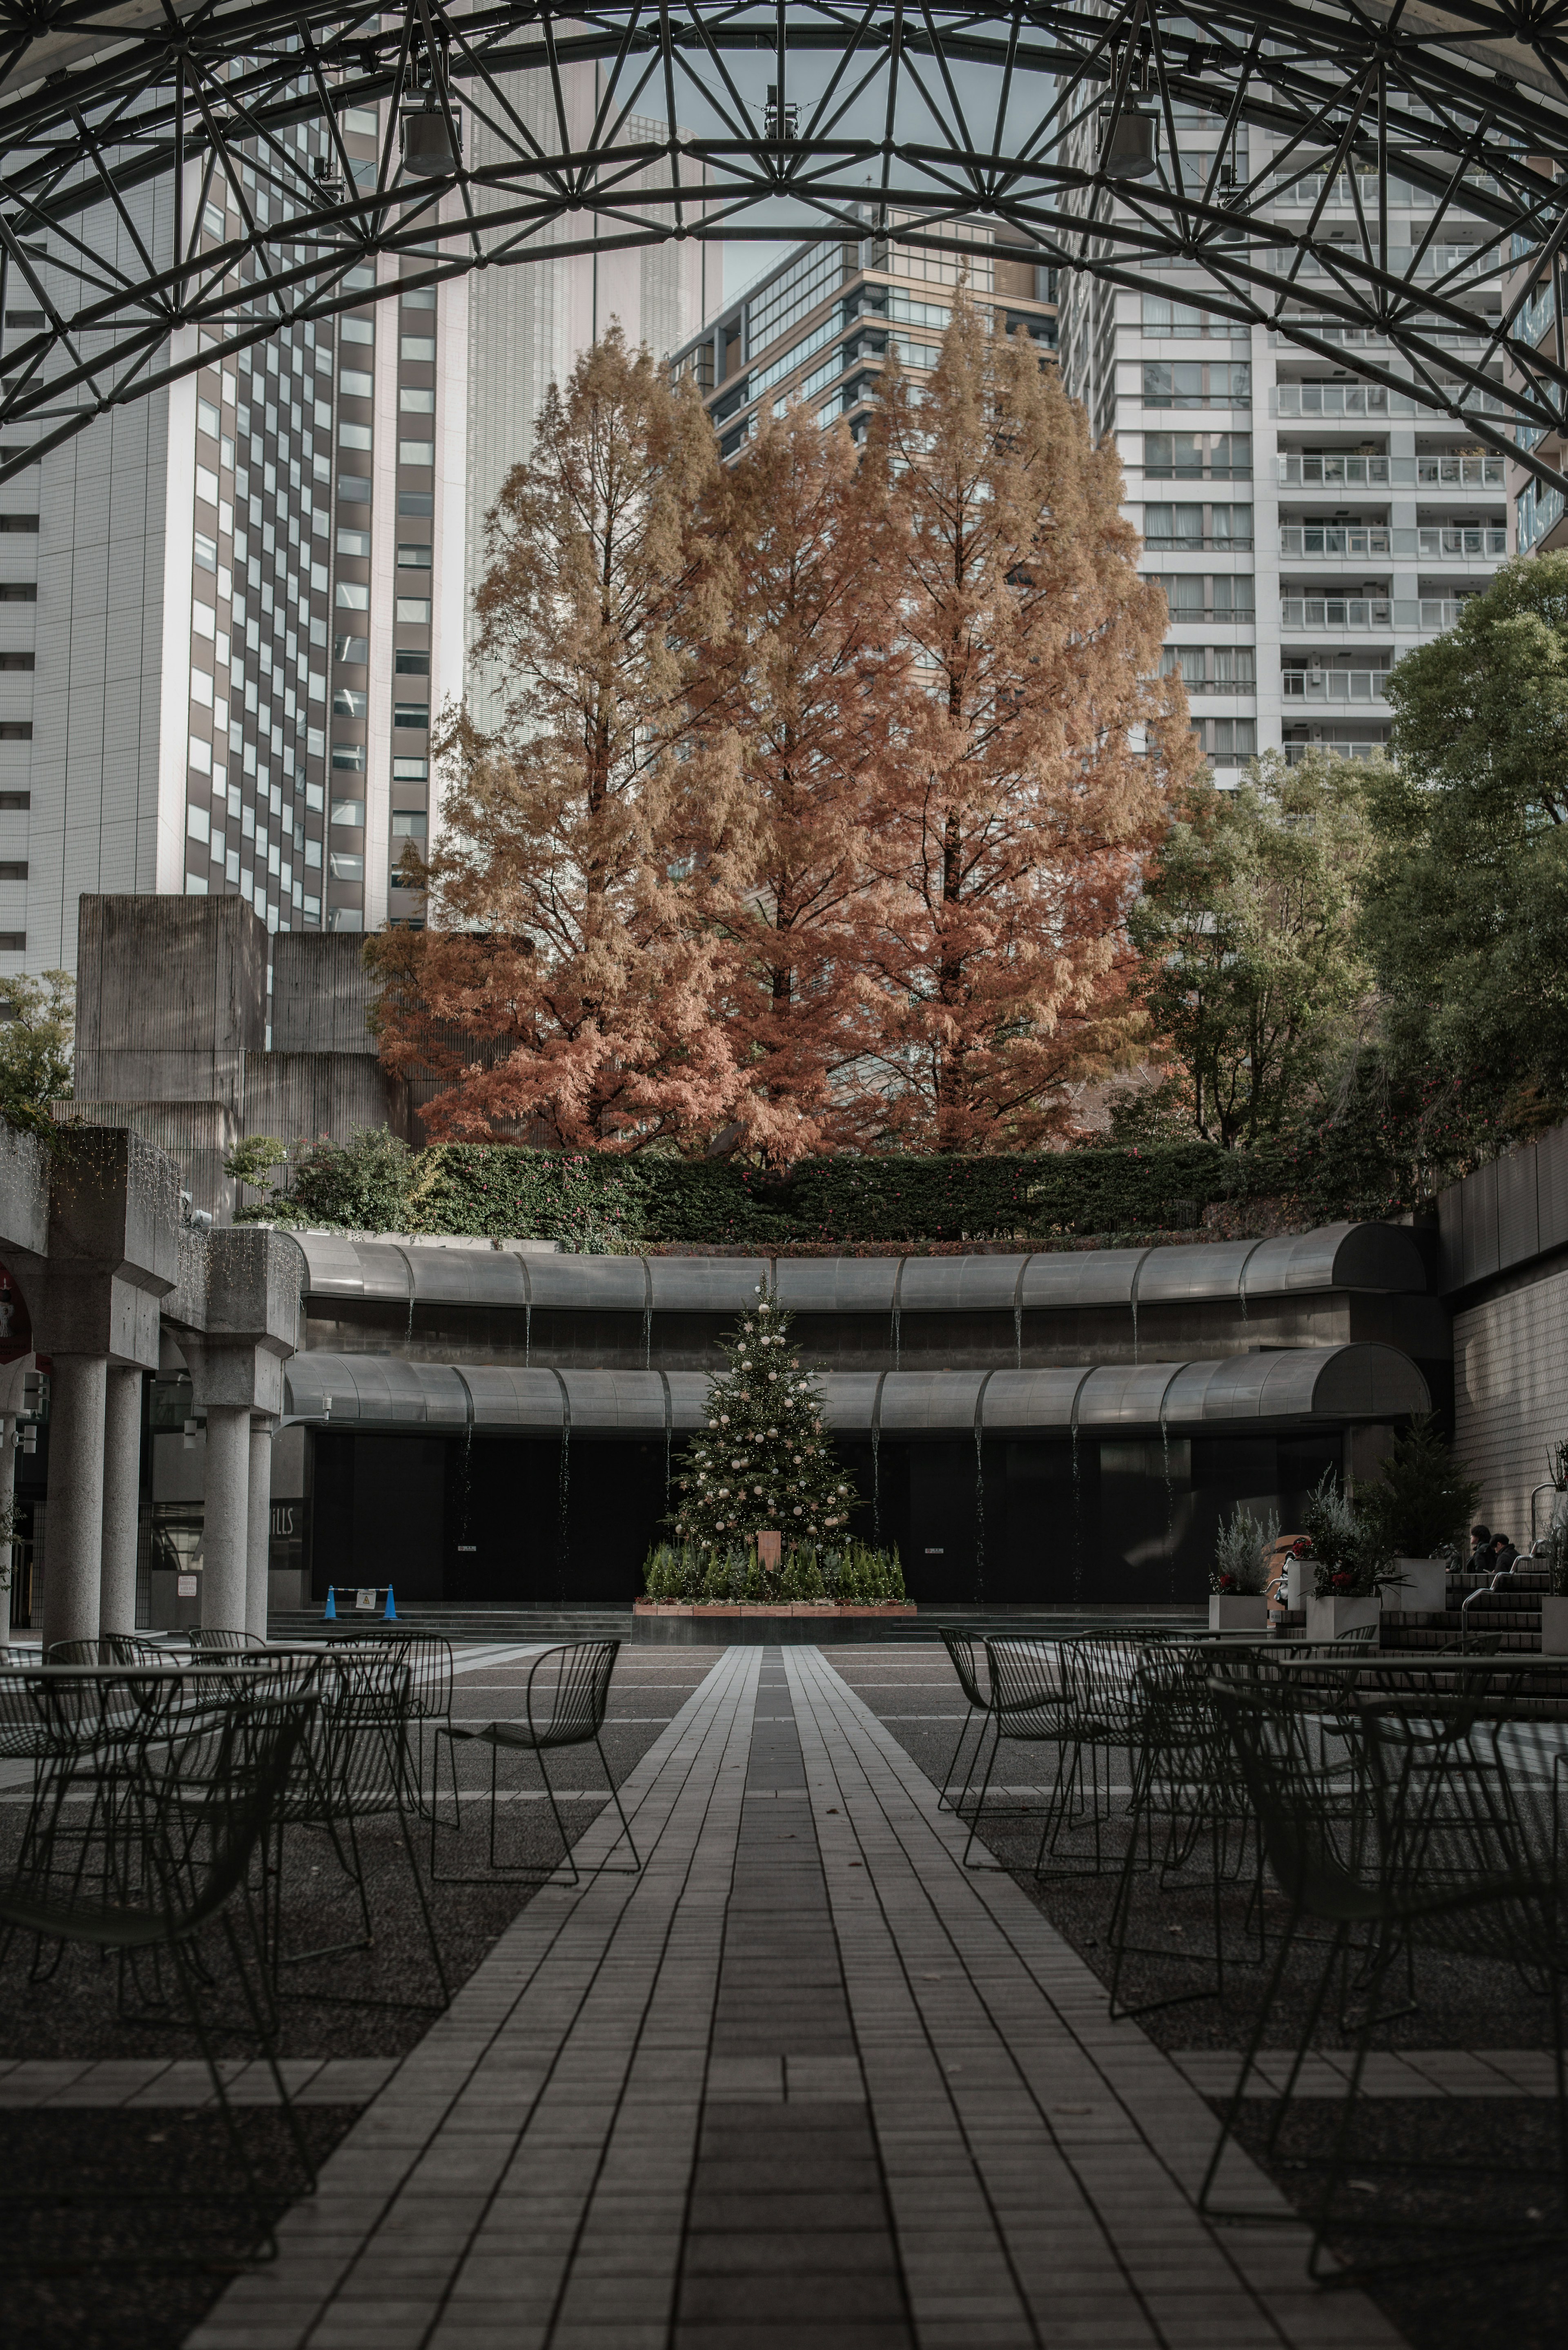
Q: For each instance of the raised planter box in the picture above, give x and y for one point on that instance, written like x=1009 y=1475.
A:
x=1327 y=1618
x=1238 y=1611
x=1423 y=1589
x=1554 y=1626
x=819 y=1608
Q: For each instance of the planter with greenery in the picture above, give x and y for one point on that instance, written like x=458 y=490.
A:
x=1351 y=1563
x=1243 y=1551
x=1418 y=1509
x=683 y=1577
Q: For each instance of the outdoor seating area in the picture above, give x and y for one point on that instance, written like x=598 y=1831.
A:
x=214 y=1859
x=884 y=1972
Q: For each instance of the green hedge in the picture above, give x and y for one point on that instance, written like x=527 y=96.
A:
x=606 y=1203
x=609 y=1203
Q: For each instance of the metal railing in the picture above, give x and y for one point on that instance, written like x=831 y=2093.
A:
x=1351 y=469
x=1341 y=469
x=1332 y=684
x=1464 y=472
x=1368 y=399
x=1325 y=539
x=1296 y=752
x=1437 y=543
x=1368 y=612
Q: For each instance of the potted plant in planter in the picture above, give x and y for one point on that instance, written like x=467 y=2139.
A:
x=1243 y=1550
x=1350 y=1561
x=1419 y=1507
x=1554 y=1605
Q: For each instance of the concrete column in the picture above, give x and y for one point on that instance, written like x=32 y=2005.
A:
x=121 y=1500
x=226 y=1517
x=260 y=1545
x=73 y=1546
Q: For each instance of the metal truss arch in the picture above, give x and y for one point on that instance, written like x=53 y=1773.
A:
x=720 y=119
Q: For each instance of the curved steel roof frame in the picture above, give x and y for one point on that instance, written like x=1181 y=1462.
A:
x=1335 y=1385
x=939 y=116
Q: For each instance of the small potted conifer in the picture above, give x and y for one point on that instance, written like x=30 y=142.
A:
x=1418 y=1508
x=1351 y=1563
x=1243 y=1549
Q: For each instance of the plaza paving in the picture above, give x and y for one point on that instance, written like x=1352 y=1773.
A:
x=805 y=2079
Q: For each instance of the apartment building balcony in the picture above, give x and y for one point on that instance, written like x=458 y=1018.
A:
x=1342 y=746
x=1441 y=543
x=1408 y=616
x=1337 y=469
x=1357 y=400
x=1326 y=687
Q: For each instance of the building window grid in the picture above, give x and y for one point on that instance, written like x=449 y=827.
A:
x=255 y=785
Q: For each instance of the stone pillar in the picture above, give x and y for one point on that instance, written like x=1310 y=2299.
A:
x=121 y=1500
x=73 y=1551
x=226 y=1517
x=259 y=1545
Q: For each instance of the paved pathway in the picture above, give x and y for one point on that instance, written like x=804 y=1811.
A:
x=804 y=2081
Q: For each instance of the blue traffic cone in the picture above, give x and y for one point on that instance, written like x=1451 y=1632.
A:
x=390 y=1613
x=331 y=1614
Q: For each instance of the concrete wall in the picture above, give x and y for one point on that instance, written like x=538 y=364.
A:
x=1511 y=1396
x=172 y=995
x=197 y=1135
x=321 y=995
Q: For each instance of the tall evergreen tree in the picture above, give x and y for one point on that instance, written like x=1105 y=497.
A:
x=766 y=1463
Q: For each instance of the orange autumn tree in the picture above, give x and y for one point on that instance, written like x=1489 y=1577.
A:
x=1034 y=756
x=565 y=979
x=804 y=683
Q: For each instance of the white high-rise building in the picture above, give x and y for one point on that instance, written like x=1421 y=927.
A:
x=230 y=611
x=1307 y=526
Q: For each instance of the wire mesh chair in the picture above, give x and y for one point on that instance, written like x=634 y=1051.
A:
x=1103 y=1716
x=212 y=1639
x=353 y=1767
x=1455 y=1849
x=1187 y=1787
x=983 y=1700
x=564 y=1698
x=112 y=1648
x=1029 y=1705
x=193 y=1808
x=430 y=1662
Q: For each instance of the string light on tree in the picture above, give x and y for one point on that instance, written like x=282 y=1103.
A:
x=766 y=1461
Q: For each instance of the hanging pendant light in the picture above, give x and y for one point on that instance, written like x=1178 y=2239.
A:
x=429 y=146
x=1133 y=151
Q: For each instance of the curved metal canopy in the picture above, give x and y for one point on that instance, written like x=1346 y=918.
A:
x=814 y=120
x=341 y=1272
x=1338 y=1386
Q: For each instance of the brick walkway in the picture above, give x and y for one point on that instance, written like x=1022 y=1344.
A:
x=804 y=2081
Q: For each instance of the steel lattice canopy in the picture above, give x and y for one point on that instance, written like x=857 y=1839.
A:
x=933 y=117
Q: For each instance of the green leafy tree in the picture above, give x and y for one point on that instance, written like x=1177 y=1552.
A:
x=1422 y=1501
x=1466 y=906
x=252 y=1161
x=766 y=1461
x=35 y=1047
x=361 y=1185
x=1249 y=969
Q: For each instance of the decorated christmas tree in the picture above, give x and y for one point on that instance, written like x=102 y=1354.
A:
x=765 y=1463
